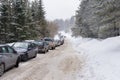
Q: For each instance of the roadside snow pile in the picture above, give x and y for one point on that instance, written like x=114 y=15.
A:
x=102 y=58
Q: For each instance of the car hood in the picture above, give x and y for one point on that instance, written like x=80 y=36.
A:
x=20 y=50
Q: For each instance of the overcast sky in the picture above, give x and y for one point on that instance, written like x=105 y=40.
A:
x=60 y=9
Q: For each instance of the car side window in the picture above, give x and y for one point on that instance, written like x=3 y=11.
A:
x=30 y=46
x=34 y=45
x=10 y=50
x=0 y=50
x=4 y=50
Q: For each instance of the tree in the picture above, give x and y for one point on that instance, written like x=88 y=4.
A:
x=42 y=29
x=21 y=20
x=53 y=28
x=98 y=18
x=5 y=21
x=19 y=7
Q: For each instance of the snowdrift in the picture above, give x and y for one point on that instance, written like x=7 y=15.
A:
x=102 y=58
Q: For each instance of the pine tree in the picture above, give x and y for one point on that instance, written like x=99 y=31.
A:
x=4 y=21
x=20 y=20
x=99 y=17
x=41 y=18
x=20 y=16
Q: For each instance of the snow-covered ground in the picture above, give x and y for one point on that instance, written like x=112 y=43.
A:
x=102 y=57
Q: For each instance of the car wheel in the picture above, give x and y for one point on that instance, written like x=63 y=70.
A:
x=1 y=69
x=53 y=48
x=47 y=50
x=17 y=63
x=25 y=57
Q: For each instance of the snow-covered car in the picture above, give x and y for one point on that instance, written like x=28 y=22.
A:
x=8 y=58
x=26 y=50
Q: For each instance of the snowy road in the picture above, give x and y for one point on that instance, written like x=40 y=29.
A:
x=60 y=64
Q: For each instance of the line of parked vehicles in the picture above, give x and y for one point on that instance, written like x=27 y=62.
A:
x=12 y=54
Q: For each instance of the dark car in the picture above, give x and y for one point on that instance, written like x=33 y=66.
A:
x=51 y=42
x=8 y=58
x=26 y=50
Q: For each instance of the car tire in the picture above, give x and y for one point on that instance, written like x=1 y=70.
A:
x=53 y=48
x=44 y=51
x=17 y=63
x=2 y=68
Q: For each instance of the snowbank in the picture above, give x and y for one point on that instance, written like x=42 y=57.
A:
x=102 y=58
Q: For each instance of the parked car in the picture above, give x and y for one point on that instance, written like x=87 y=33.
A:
x=8 y=58
x=51 y=42
x=59 y=39
x=26 y=50
x=43 y=46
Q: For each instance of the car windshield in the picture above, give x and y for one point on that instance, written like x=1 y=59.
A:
x=38 y=43
x=20 y=45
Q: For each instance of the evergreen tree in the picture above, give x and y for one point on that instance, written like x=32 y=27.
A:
x=98 y=18
x=4 y=21
x=19 y=7
x=20 y=20
x=41 y=20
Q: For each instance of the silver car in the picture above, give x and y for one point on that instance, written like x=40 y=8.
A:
x=8 y=58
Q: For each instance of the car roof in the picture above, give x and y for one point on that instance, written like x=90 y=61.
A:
x=3 y=45
x=23 y=42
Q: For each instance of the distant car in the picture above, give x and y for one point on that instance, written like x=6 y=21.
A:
x=8 y=58
x=26 y=50
x=51 y=42
x=57 y=43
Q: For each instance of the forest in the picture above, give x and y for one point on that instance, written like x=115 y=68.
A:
x=98 y=19
x=23 y=19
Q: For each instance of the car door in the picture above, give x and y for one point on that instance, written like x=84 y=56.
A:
x=7 y=58
x=45 y=45
x=34 y=49
x=30 y=50
x=14 y=56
